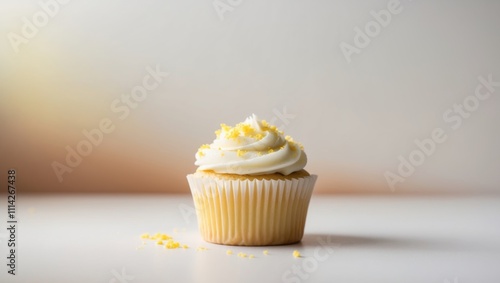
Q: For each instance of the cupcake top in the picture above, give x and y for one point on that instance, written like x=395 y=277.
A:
x=252 y=147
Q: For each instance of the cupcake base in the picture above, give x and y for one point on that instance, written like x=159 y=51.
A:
x=254 y=211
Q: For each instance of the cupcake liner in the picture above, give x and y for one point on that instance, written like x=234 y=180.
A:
x=251 y=212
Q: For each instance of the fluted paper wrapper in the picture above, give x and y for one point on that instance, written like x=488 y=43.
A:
x=251 y=212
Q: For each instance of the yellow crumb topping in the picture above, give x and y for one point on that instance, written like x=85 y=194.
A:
x=270 y=150
x=229 y=252
x=296 y=253
x=200 y=153
x=270 y=127
x=266 y=252
x=293 y=144
x=240 y=130
x=242 y=255
x=240 y=152
x=225 y=128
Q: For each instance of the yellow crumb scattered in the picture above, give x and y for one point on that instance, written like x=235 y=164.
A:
x=229 y=252
x=201 y=249
x=171 y=244
x=242 y=254
x=296 y=253
x=251 y=256
x=266 y=252
x=164 y=237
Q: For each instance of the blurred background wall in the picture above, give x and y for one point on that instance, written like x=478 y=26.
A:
x=357 y=82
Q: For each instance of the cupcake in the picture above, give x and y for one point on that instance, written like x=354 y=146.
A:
x=250 y=188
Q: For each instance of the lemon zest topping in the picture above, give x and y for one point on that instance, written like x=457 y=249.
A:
x=240 y=130
x=200 y=152
x=270 y=127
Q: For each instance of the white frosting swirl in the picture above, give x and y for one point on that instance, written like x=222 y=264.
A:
x=251 y=148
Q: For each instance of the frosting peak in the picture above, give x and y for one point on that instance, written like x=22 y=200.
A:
x=252 y=147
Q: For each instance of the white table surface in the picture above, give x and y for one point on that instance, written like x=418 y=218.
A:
x=95 y=238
